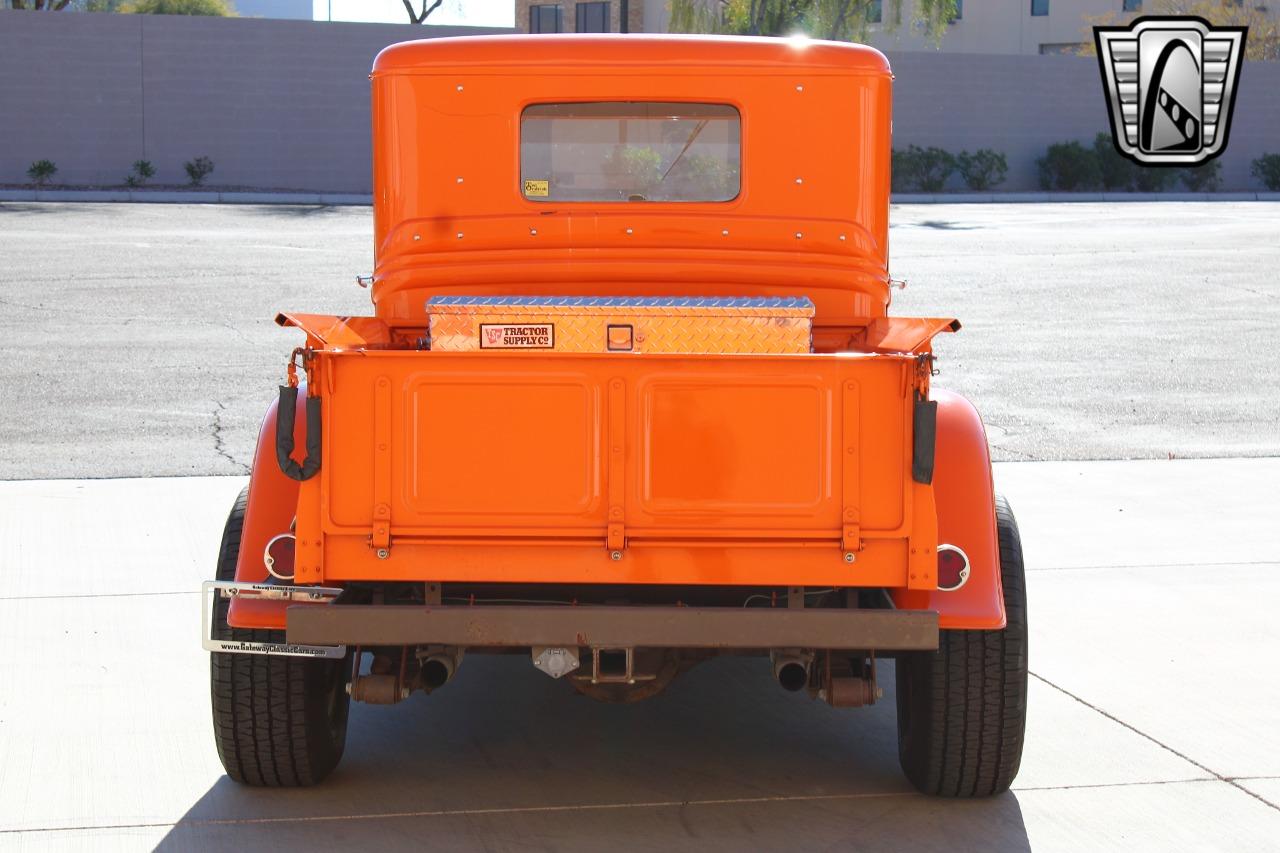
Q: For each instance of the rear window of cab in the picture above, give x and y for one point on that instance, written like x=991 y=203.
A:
x=630 y=151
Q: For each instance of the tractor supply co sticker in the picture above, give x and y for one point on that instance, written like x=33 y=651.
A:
x=517 y=336
x=537 y=189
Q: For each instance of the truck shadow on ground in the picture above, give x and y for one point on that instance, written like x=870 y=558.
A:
x=505 y=758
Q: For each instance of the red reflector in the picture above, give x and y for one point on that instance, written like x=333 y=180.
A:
x=953 y=567
x=278 y=556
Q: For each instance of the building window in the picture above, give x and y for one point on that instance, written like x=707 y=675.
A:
x=1039 y=8
x=959 y=11
x=545 y=19
x=1132 y=5
x=593 y=17
x=875 y=12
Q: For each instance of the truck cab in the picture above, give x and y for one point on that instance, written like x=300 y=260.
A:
x=629 y=396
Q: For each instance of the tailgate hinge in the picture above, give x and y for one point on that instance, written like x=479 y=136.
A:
x=380 y=536
x=615 y=535
x=850 y=497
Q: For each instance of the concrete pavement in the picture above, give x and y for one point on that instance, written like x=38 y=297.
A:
x=1154 y=710
x=136 y=340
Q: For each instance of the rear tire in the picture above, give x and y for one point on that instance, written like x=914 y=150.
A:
x=962 y=710
x=277 y=721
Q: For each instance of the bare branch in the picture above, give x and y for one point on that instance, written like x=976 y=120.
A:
x=414 y=17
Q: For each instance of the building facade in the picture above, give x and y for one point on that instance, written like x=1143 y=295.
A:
x=1006 y=26
x=600 y=16
x=1019 y=27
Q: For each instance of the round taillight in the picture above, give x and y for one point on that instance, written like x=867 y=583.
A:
x=953 y=568
x=278 y=556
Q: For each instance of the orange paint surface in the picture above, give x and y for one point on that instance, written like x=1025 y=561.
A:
x=634 y=468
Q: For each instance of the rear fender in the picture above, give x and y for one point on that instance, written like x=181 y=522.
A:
x=965 y=499
x=273 y=502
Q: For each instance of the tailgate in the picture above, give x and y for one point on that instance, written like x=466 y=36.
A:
x=607 y=468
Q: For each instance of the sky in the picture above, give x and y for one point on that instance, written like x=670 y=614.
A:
x=476 y=13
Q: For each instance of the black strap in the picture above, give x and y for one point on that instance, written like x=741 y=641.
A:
x=924 y=440
x=285 y=417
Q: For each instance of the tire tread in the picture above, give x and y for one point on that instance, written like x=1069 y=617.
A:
x=269 y=721
x=962 y=709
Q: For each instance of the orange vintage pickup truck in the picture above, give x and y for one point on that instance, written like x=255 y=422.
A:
x=630 y=397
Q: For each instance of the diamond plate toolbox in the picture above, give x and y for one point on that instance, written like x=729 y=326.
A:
x=693 y=326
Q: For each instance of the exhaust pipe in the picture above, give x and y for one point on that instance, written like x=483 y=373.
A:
x=791 y=668
x=438 y=668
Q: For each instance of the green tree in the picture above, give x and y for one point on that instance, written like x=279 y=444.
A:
x=211 y=8
x=1264 y=28
x=837 y=20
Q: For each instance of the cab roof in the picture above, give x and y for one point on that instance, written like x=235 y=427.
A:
x=594 y=51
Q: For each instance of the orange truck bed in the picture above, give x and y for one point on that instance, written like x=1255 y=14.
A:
x=630 y=397
x=617 y=469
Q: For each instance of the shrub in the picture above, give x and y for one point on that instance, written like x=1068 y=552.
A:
x=1155 y=179
x=1205 y=178
x=41 y=171
x=198 y=169
x=1069 y=166
x=923 y=169
x=983 y=169
x=1267 y=169
x=898 y=172
x=1116 y=171
x=142 y=170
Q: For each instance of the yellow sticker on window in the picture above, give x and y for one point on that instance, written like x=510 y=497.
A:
x=537 y=188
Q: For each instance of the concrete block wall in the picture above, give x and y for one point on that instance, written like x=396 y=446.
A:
x=1023 y=104
x=274 y=103
x=285 y=104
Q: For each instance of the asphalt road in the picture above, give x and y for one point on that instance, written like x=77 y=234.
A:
x=136 y=340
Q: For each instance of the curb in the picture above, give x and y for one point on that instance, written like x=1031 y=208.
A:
x=1061 y=197
x=186 y=197
x=245 y=197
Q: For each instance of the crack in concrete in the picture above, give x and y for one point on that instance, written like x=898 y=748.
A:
x=218 y=445
x=579 y=807
x=1230 y=780
x=1152 y=566
x=239 y=334
x=96 y=595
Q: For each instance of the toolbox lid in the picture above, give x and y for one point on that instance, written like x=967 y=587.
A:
x=690 y=304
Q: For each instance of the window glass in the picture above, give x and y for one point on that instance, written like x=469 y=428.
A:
x=545 y=19
x=875 y=12
x=630 y=151
x=1133 y=5
x=593 y=17
x=1039 y=7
